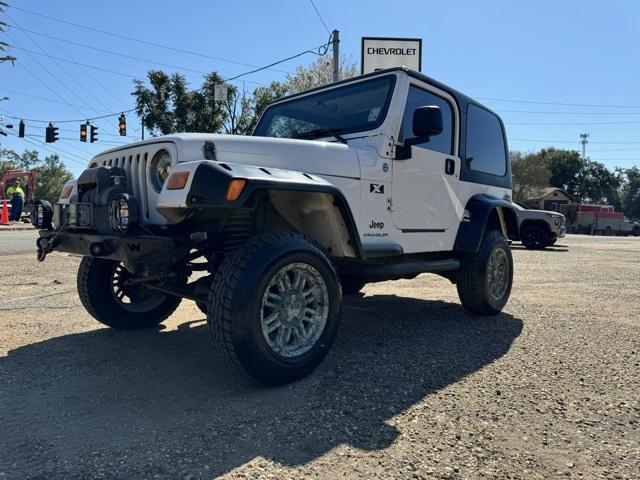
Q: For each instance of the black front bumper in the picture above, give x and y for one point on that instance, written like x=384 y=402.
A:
x=129 y=249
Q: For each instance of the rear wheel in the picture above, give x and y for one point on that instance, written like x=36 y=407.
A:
x=485 y=277
x=273 y=308
x=106 y=296
x=534 y=237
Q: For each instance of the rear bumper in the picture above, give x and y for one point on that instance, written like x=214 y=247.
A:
x=129 y=249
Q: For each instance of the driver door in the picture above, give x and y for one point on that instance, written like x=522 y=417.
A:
x=425 y=186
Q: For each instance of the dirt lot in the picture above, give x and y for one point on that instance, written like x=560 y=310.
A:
x=414 y=387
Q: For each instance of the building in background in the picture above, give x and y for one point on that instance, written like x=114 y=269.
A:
x=550 y=198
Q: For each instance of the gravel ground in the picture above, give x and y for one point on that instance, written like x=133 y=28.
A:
x=413 y=388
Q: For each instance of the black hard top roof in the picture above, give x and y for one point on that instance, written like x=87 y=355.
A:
x=462 y=99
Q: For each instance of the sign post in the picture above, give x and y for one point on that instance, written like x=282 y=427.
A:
x=379 y=53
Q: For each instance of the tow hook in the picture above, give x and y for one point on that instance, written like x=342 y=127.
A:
x=44 y=247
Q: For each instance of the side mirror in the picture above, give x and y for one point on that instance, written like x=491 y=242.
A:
x=427 y=123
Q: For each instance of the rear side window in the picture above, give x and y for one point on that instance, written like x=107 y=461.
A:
x=421 y=98
x=486 y=148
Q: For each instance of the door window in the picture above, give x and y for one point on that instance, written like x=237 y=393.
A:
x=418 y=97
x=486 y=149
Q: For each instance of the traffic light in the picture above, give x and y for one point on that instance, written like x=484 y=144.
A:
x=51 y=134
x=21 y=129
x=122 y=125
x=94 y=134
x=83 y=132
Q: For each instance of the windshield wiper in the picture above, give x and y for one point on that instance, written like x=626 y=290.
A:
x=322 y=132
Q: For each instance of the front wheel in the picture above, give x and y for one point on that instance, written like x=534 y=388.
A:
x=273 y=308
x=106 y=296
x=485 y=277
x=534 y=237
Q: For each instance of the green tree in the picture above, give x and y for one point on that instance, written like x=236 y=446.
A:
x=318 y=73
x=52 y=173
x=51 y=178
x=166 y=105
x=530 y=175
x=566 y=167
x=630 y=191
x=598 y=184
x=10 y=159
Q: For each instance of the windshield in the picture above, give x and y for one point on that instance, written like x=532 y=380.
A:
x=351 y=108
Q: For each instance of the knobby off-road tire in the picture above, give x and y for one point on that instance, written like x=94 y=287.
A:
x=255 y=313
x=485 y=278
x=534 y=237
x=351 y=284
x=112 y=304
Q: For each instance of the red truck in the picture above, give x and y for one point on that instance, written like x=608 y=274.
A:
x=598 y=220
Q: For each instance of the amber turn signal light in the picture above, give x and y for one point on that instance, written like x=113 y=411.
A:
x=66 y=192
x=236 y=186
x=177 y=180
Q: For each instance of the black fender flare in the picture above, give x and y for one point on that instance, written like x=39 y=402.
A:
x=477 y=215
x=211 y=180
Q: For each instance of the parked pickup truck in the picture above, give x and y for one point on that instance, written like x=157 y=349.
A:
x=380 y=177
x=539 y=229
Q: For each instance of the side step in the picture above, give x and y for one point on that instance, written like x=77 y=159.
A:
x=396 y=271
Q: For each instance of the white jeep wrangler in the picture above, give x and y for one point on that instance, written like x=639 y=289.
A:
x=380 y=177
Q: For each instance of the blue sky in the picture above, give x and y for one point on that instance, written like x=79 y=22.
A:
x=558 y=52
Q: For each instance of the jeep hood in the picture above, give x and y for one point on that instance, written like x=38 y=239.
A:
x=542 y=213
x=308 y=156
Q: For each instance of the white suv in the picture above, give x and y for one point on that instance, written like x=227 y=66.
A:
x=384 y=176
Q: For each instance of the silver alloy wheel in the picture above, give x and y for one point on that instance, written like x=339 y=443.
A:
x=498 y=273
x=294 y=310
x=133 y=298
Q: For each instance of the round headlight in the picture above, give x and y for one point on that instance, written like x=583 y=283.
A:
x=160 y=169
x=123 y=213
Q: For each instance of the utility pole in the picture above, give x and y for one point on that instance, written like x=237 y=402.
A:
x=335 y=46
x=584 y=139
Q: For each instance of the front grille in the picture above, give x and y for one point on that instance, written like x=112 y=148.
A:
x=135 y=160
x=135 y=166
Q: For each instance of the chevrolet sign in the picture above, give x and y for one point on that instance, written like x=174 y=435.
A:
x=380 y=53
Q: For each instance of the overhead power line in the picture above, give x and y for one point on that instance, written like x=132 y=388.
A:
x=536 y=102
x=110 y=52
x=73 y=78
x=573 y=123
x=320 y=17
x=68 y=55
x=571 y=141
x=49 y=147
x=44 y=99
x=122 y=74
x=14 y=117
x=138 y=40
x=565 y=113
x=321 y=50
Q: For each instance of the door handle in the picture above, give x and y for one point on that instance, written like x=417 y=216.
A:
x=449 y=166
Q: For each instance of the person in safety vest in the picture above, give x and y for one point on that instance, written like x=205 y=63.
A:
x=15 y=194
